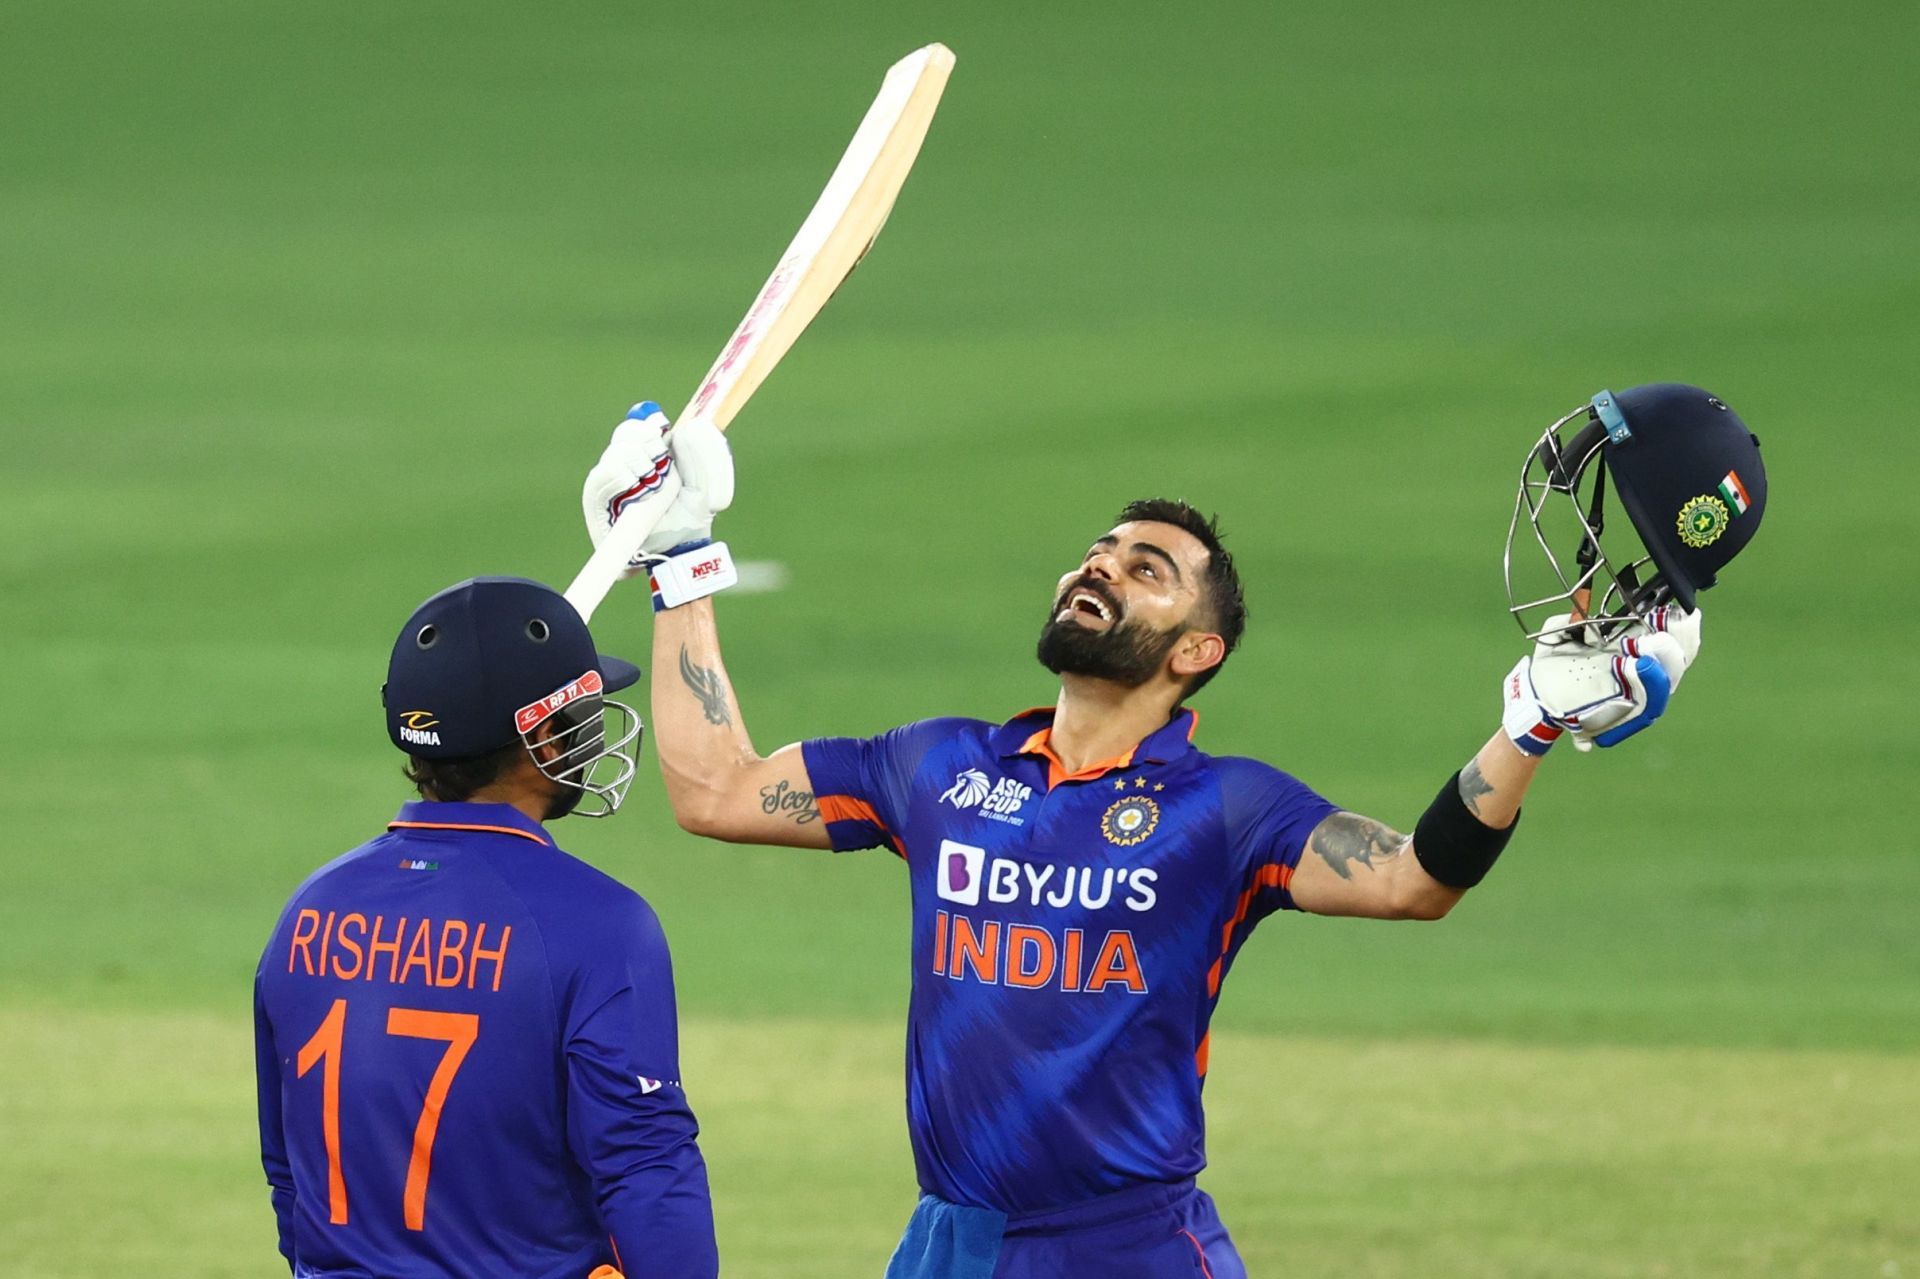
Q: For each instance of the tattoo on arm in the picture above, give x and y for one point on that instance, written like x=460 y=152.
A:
x=706 y=685
x=1345 y=838
x=1473 y=787
x=782 y=798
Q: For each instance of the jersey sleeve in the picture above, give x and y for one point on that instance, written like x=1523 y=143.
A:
x=273 y=1139
x=863 y=784
x=1269 y=817
x=628 y=1121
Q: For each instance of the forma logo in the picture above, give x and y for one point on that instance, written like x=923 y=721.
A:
x=417 y=727
x=965 y=875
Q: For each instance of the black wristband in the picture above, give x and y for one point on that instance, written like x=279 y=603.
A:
x=1453 y=845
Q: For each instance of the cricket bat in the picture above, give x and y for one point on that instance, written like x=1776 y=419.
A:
x=838 y=232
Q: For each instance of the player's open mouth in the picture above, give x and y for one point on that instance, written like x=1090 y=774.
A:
x=1087 y=609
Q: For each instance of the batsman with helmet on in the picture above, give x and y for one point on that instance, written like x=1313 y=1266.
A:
x=466 y=1039
x=1083 y=875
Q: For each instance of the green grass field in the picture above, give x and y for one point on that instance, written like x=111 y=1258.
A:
x=305 y=313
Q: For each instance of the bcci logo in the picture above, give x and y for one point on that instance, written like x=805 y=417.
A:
x=1702 y=520
x=1129 y=821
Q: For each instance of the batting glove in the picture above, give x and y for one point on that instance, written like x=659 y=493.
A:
x=634 y=479
x=1601 y=694
x=705 y=465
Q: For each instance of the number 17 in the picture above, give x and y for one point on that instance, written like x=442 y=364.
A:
x=459 y=1030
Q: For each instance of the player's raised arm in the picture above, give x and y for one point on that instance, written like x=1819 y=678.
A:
x=1604 y=693
x=718 y=784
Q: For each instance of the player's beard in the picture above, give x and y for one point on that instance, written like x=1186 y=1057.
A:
x=1127 y=652
x=565 y=723
x=565 y=802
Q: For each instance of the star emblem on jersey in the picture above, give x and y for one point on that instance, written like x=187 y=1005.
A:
x=1702 y=520
x=1129 y=821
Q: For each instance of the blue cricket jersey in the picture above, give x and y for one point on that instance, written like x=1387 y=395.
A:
x=469 y=1065
x=1070 y=935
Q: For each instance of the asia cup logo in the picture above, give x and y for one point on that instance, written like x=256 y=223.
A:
x=968 y=789
x=1129 y=821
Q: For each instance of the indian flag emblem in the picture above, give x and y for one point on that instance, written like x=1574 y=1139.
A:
x=1735 y=494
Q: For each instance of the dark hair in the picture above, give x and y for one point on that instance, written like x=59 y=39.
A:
x=1226 y=608
x=453 y=780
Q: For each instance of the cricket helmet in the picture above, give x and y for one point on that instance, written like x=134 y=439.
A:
x=494 y=660
x=1686 y=471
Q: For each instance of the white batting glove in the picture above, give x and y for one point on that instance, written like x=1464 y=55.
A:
x=634 y=479
x=705 y=466
x=1601 y=694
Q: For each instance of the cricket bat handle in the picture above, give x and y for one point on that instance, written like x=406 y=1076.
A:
x=610 y=559
x=597 y=576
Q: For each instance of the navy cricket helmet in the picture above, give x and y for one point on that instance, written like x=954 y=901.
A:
x=1686 y=471
x=490 y=660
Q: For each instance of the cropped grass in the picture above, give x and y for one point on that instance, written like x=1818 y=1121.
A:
x=1335 y=1156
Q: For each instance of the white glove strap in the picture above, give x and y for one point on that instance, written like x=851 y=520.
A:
x=1527 y=724
x=692 y=573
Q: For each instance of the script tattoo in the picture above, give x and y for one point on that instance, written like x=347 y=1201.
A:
x=708 y=687
x=782 y=798
x=1473 y=787
x=1348 y=837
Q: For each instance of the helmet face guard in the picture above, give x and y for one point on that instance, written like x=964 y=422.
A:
x=1686 y=472
x=1561 y=510
x=588 y=745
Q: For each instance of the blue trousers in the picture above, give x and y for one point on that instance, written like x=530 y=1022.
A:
x=1147 y=1232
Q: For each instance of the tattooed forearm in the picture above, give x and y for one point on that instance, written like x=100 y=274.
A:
x=1474 y=787
x=782 y=798
x=1345 y=838
x=706 y=685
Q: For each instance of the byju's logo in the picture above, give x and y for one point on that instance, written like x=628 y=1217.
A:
x=957 y=877
x=968 y=789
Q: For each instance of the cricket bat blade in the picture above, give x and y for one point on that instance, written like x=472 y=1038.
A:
x=838 y=232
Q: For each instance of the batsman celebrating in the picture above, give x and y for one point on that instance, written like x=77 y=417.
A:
x=1083 y=875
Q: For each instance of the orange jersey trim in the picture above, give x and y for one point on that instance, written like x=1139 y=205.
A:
x=848 y=808
x=496 y=830
x=1206 y=1271
x=1041 y=744
x=1274 y=875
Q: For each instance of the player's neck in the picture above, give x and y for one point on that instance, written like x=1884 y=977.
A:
x=1097 y=719
x=525 y=798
